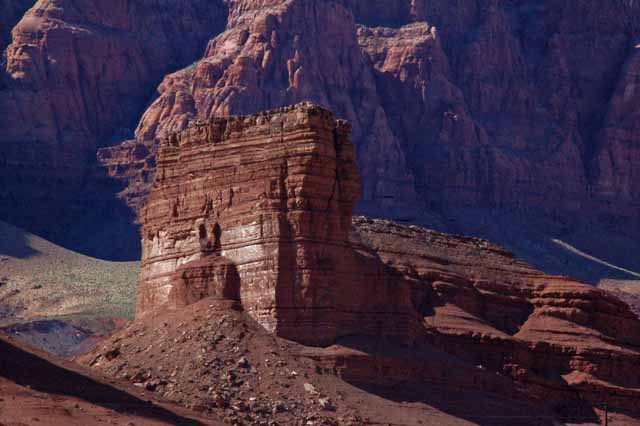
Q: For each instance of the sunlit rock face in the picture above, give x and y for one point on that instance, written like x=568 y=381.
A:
x=255 y=212
x=271 y=194
x=453 y=104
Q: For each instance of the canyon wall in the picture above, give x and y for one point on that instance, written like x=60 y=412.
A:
x=475 y=103
x=76 y=76
x=524 y=106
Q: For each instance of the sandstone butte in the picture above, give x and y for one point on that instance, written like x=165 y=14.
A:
x=256 y=212
x=267 y=199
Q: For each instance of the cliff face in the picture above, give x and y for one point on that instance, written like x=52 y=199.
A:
x=258 y=209
x=76 y=76
x=563 y=343
x=524 y=125
x=255 y=211
x=10 y=13
x=280 y=54
x=478 y=103
x=482 y=103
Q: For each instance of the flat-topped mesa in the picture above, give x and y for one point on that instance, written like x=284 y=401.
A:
x=272 y=194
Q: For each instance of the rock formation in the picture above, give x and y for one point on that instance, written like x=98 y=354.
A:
x=256 y=210
x=76 y=76
x=478 y=102
x=10 y=13
x=222 y=363
x=568 y=345
x=277 y=54
x=259 y=208
x=443 y=117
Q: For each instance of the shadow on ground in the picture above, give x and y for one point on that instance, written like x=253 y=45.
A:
x=453 y=386
x=14 y=242
x=577 y=247
x=479 y=408
x=107 y=232
x=29 y=370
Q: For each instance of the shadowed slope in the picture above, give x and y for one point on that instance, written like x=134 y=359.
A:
x=47 y=280
x=56 y=393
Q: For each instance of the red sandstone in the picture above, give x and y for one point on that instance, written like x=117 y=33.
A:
x=257 y=210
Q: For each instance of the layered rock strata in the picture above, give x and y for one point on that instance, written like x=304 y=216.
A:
x=278 y=53
x=263 y=203
x=563 y=343
x=76 y=76
x=512 y=114
x=256 y=210
x=508 y=115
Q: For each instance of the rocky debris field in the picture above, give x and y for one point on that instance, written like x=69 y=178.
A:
x=218 y=361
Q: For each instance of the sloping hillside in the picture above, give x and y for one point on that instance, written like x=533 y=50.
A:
x=38 y=390
x=41 y=282
x=41 y=279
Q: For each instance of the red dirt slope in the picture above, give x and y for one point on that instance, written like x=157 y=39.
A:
x=36 y=390
x=218 y=360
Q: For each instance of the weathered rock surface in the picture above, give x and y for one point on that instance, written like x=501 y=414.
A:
x=281 y=53
x=222 y=362
x=479 y=102
x=10 y=13
x=501 y=337
x=262 y=204
x=76 y=76
x=513 y=113
x=563 y=341
x=257 y=210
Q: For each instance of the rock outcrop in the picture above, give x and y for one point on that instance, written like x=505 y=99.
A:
x=259 y=207
x=223 y=363
x=478 y=102
x=282 y=53
x=10 y=13
x=256 y=211
x=564 y=342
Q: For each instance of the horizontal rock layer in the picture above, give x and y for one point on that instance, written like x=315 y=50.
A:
x=257 y=209
x=504 y=116
x=563 y=343
x=272 y=195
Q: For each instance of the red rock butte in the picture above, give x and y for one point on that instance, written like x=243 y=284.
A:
x=256 y=212
x=258 y=209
